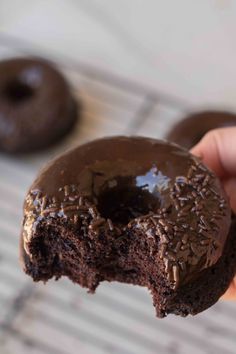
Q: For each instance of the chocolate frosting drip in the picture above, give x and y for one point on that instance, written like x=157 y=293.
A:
x=178 y=205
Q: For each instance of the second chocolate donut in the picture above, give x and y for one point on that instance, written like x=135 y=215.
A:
x=189 y=131
x=36 y=105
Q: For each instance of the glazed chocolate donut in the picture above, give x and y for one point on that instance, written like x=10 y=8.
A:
x=189 y=131
x=36 y=105
x=136 y=210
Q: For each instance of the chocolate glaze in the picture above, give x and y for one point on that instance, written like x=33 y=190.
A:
x=36 y=105
x=170 y=198
x=189 y=131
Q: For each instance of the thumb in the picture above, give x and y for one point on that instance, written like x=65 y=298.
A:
x=230 y=294
x=217 y=149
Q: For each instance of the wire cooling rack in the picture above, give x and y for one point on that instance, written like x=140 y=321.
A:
x=60 y=317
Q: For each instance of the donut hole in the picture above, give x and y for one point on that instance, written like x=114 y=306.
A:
x=121 y=201
x=17 y=91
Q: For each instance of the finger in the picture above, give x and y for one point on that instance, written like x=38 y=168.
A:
x=230 y=294
x=217 y=149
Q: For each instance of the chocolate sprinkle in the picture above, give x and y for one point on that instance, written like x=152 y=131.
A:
x=191 y=190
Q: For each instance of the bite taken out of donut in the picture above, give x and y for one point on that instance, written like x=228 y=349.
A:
x=135 y=210
x=36 y=105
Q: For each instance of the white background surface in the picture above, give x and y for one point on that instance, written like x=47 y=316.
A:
x=184 y=48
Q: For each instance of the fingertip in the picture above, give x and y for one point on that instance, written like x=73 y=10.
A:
x=230 y=294
x=217 y=149
x=207 y=149
x=197 y=151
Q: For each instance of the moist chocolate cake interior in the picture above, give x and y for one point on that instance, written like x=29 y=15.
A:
x=115 y=254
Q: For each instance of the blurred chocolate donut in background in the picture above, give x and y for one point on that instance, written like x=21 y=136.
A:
x=189 y=131
x=36 y=105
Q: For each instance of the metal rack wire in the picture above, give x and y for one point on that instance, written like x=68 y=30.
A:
x=61 y=318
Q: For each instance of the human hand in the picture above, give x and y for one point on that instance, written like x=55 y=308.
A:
x=217 y=150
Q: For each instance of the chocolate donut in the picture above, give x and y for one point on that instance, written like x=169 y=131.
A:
x=36 y=105
x=189 y=131
x=135 y=210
